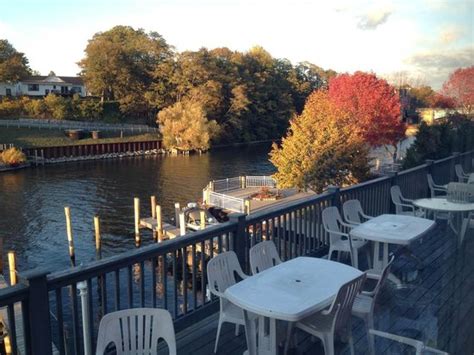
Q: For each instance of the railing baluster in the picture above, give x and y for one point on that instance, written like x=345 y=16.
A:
x=203 y=273
x=12 y=327
x=25 y=310
x=117 y=289
x=103 y=293
x=185 y=280
x=130 y=286
x=59 y=315
x=75 y=320
x=142 y=284
x=91 y=312
x=194 y=271
x=154 y=267
x=175 y=284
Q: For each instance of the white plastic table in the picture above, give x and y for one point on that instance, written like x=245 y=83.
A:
x=391 y=229
x=290 y=292
x=440 y=204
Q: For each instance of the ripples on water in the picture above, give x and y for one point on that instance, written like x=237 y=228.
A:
x=32 y=201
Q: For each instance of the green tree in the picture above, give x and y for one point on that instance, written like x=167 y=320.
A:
x=13 y=64
x=120 y=65
x=320 y=148
x=185 y=126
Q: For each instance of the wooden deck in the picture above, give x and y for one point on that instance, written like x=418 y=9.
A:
x=288 y=195
x=436 y=305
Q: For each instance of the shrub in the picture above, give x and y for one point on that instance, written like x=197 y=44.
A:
x=57 y=106
x=12 y=156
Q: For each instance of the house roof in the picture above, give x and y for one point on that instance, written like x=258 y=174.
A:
x=74 y=80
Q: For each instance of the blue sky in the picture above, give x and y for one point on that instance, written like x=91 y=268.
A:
x=425 y=38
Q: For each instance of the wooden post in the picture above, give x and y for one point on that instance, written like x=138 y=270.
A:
x=247 y=206
x=242 y=182
x=159 y=224
x=153 y=206
x=202 y=219
x=177 y=210
x=12 y=267
x=97 y=234
x=182 y=224
x=136 y=204
x=70 y=239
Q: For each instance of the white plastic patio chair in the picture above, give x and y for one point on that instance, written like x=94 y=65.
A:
x=337 y=317
x=353 y=212
x=340 y=241
x=263 y=255
x=136 y=331
x=364 y=303
x=460 y=192
x=460 y=174
x=419 y=346
x=221 y=271
x=403 y=206
x=435 y=190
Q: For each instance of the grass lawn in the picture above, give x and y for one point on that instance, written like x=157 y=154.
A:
x=34 y=137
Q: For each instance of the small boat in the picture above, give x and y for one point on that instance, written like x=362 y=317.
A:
x=192 y=216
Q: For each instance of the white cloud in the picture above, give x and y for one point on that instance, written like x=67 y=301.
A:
x=374 y=18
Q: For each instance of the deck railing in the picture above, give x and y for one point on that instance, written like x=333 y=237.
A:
x=172 y=274
x=227 y=202
x=260 y=181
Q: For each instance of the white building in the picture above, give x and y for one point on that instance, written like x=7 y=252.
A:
x=43 y=85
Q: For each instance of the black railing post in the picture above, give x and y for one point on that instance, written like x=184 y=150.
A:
x=335 y=191
x=239 y=242
x=40 y=326
x=454 y=161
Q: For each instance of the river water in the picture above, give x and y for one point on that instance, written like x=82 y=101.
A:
x=32 y=201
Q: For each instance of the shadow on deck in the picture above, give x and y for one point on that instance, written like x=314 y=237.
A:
x=435 y=305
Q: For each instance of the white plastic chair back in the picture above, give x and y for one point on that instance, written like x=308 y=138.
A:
x=352 y=210
x=420 y=347
x=332 y=222
x=382 y=279
x=221 y=271
x=341 y=307
x=396 y=195
x=460 y=192
x=460 y=173
x=263 y=255
x=434 y=187
x=136 y=331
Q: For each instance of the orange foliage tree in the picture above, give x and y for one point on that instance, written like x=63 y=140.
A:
x=460 y=87
x=321 y=148
x=373 y=106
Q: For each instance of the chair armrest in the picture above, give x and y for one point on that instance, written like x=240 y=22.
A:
x=217 y=293
x=338 y=233
x=368 y=293
x=348 y=225
x=406 y=205
x=406 y=199
x=366 y=216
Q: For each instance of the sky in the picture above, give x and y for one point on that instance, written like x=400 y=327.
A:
x=424 y=40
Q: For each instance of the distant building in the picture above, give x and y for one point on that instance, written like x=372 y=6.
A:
x=431 y=115
x=43 y=85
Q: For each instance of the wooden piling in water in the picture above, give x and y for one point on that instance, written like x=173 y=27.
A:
x=202 y=219
x=247 y=206
x=98 y=242
x=177 y=210
x=136 y=205
x=153 y=206
x=67 y=212
x=182 y=224
x=12 y=267
x=159 y=224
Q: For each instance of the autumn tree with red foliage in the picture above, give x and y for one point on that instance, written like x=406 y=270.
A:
x=373 y=104
x=460 y=87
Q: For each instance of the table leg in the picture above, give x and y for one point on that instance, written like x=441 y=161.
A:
x=377 y=262
x=250 y=335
